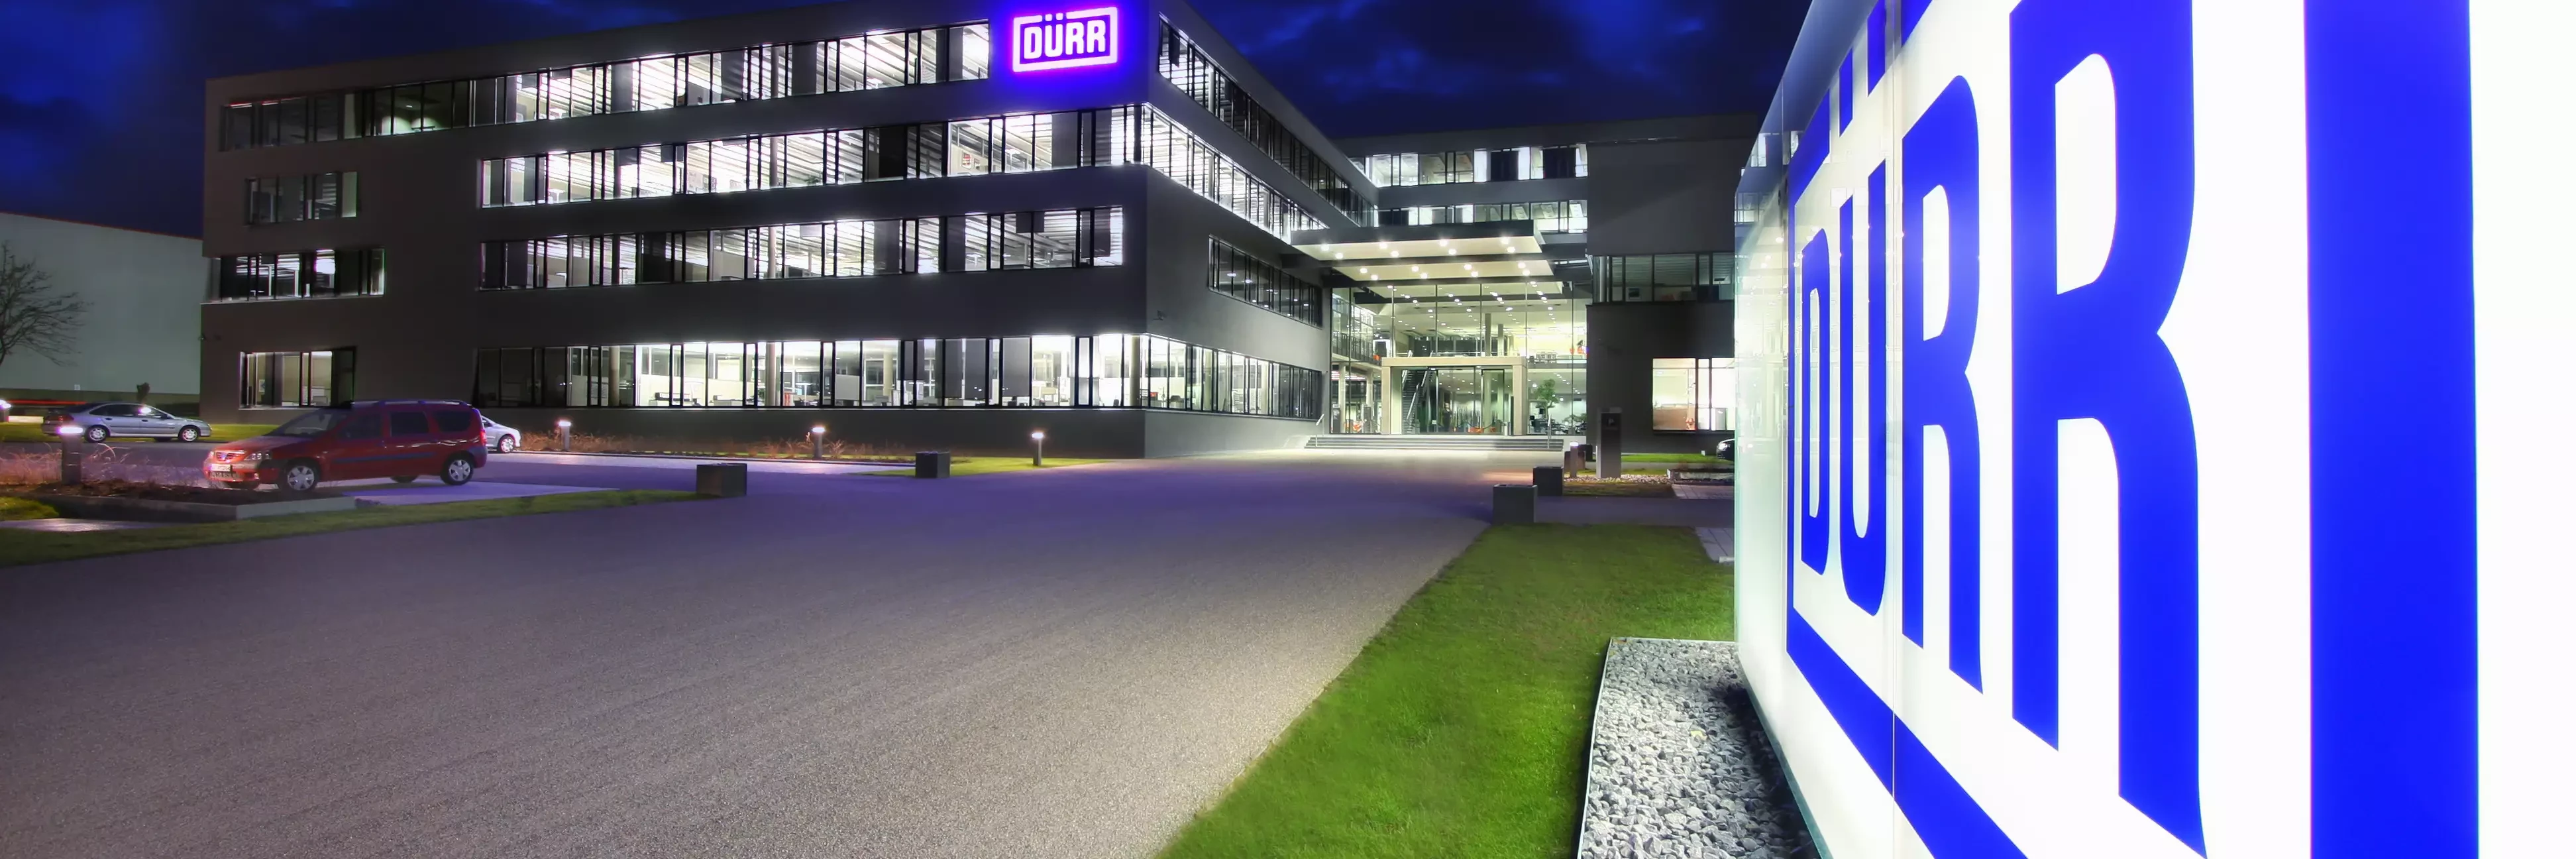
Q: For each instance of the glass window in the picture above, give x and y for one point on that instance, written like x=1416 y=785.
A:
x=1694 y=394
x=296 y=379
x=1032 y=372
x=975 y=52
x=970 y=148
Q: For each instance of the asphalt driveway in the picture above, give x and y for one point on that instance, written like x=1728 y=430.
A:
x=1062 y=664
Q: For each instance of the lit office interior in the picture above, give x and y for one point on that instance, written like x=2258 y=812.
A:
x=1539 y=322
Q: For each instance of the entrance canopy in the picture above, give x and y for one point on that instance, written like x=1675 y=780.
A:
x=1445 y=254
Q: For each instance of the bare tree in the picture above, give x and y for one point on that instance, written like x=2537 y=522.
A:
x=33 y=317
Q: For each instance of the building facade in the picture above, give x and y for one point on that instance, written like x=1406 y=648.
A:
x=937 y=224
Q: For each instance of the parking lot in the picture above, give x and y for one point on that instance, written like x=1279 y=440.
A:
x=1060 y=663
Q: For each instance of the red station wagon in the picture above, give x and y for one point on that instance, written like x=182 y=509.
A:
x=400 y=439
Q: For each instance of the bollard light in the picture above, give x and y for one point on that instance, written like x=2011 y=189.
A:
x=75 y=449
x=563 y=435
x=816 y=435
x=1038 y=459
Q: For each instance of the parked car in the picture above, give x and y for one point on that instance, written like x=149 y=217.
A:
x=503 y=438
x=400 y=439
x=102 y=421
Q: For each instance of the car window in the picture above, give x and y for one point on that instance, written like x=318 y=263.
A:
x=364 y=427
x=453 y=421
x=148 y=412
x=410 y=423
x=112 y=410
x=312 y=423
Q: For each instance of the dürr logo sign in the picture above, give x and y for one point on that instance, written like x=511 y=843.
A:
x=1065 y=40
x=2070 y=351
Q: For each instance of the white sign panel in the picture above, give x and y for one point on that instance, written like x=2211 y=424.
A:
x=2154 y=419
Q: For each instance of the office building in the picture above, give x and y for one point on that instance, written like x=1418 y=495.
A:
x=937 y=224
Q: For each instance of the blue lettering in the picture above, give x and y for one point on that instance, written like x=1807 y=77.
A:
x=1941 y=152
x=2093 y=352
x=1864 y=554
x=1814 y=269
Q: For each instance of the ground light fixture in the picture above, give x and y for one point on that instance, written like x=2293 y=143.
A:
x=816 y=436
x=1037 y=456
x=563 y=434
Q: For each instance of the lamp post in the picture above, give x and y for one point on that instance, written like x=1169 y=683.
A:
x=1038 y=458
x=817 y=437
x=563 y=435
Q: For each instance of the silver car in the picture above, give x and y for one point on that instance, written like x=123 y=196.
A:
x=102 y=421
x=502 y=438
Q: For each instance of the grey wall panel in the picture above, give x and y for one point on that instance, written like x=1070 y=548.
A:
x=142 y=288
x=1186 y=433
x=1665 y=197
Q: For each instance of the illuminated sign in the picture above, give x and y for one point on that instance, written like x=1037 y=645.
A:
x=1065 y=40
x=2065 y=346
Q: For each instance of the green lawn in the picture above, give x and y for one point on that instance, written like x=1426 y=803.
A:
x=12 y=509
x=30 y=547
x=969 y=466
x=1460 y=730
x=223 y=432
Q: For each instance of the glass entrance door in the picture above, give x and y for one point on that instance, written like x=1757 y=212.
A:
x=1459 y=400
x=1356 y=396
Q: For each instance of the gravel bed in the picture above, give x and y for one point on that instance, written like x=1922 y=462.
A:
x=1679 y=764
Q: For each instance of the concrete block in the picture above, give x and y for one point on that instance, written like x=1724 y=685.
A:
x=1549 y=479
x=930 y=463
x=724 y=479
x=1515 y=504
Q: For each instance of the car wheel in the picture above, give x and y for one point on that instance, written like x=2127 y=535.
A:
x=458 y=471
x=189 y=434
x=95 y=434
x=300 y=476
x=405 y=478
x=509 y=444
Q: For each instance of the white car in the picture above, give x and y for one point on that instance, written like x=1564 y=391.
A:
x=501 y=437
x=99 y=422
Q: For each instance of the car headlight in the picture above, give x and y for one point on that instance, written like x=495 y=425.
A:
x=255 y=456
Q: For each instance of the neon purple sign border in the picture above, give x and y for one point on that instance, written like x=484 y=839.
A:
x=1019 y=23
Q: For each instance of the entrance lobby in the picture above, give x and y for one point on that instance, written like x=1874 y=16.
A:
x=1466 y=329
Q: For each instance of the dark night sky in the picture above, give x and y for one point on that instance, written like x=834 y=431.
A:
x=98 y=98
